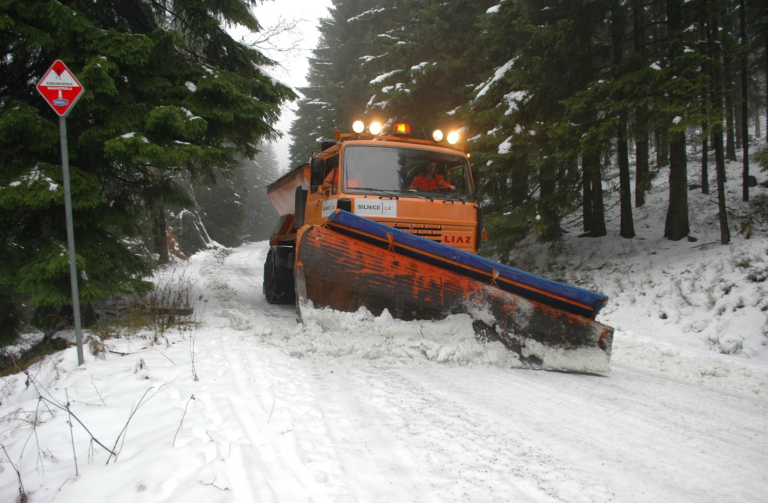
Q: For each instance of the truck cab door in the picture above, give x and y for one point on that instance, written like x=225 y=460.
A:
x=322 y=202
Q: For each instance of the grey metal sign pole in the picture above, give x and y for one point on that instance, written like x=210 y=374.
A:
x=61 y=89
x=71 y=239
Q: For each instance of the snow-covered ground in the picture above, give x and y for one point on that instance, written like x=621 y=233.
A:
x=350 y=407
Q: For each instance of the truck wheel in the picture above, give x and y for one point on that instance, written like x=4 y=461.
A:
x=278 y=277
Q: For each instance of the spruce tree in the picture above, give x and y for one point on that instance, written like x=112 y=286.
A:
x=428 y=62
x=337 y=90
x=168 y=95
x=678 y=90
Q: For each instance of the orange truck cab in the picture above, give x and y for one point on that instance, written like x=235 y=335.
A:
x=373 y=176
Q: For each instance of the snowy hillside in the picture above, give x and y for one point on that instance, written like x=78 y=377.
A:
x=248 y=406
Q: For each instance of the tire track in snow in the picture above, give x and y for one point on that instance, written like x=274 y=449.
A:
x=485 y=434
x=639 y=438
x=290 y=434
x=437 y=448
x=235 y=280
x=273 y=437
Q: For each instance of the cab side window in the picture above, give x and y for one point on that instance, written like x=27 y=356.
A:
x=330 y=175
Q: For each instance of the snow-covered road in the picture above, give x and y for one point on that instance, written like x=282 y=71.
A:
x=487 y=434
x=354 y=408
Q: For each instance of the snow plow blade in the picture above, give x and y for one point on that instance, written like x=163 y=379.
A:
x=353 y=262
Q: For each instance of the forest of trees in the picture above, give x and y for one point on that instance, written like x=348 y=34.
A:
x=172 y=104
x=552 y=96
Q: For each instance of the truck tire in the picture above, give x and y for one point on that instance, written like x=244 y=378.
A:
x=300 y=203
x=278 y=276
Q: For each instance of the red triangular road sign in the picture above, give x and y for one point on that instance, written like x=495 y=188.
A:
x=60 y=88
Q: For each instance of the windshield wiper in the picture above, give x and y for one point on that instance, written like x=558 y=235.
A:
x=379 y=191
x=455 y=196
x=413 y=193
x=396 y=195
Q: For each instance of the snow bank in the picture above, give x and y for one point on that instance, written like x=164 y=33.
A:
x=331 y=336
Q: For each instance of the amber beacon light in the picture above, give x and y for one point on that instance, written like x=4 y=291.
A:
x=402 y=130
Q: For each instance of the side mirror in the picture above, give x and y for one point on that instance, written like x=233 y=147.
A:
x=317 y=171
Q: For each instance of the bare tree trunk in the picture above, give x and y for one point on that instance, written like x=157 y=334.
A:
x=744 y=107
x=642 y=169
x=737 y=114
x=618 y=27
x=705 y=160
x=592 y=174
x=730 y=147
x=598 y=208
x=717 y=135
x=159 y=227
x=765 y=33
x=725 y=233
x=549 y=216
x=676 y=226
x=662 y=147
x=727 y=86
x=625 y=195
x=586 y=178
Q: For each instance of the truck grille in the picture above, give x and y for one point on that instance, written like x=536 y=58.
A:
x=432 y=232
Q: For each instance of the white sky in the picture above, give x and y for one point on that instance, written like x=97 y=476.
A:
x=294 y=66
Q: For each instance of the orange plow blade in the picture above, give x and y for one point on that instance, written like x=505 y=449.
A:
x=340 y=272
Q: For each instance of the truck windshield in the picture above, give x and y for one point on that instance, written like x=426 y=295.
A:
x=403 y=172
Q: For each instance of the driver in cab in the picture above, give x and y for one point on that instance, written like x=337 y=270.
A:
x=429 y=180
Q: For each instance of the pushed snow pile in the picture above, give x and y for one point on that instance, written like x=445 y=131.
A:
x=572 y=360
x=333 y=335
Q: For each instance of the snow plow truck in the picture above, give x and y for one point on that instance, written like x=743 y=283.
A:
x=388 y=221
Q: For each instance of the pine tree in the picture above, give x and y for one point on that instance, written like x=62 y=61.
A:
x=678 y=88
x=168 y=94
x=640 y=129
x=424 y=74
x=717 y=127
x=337 y=89
x=743 y=124
x=500 y=149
